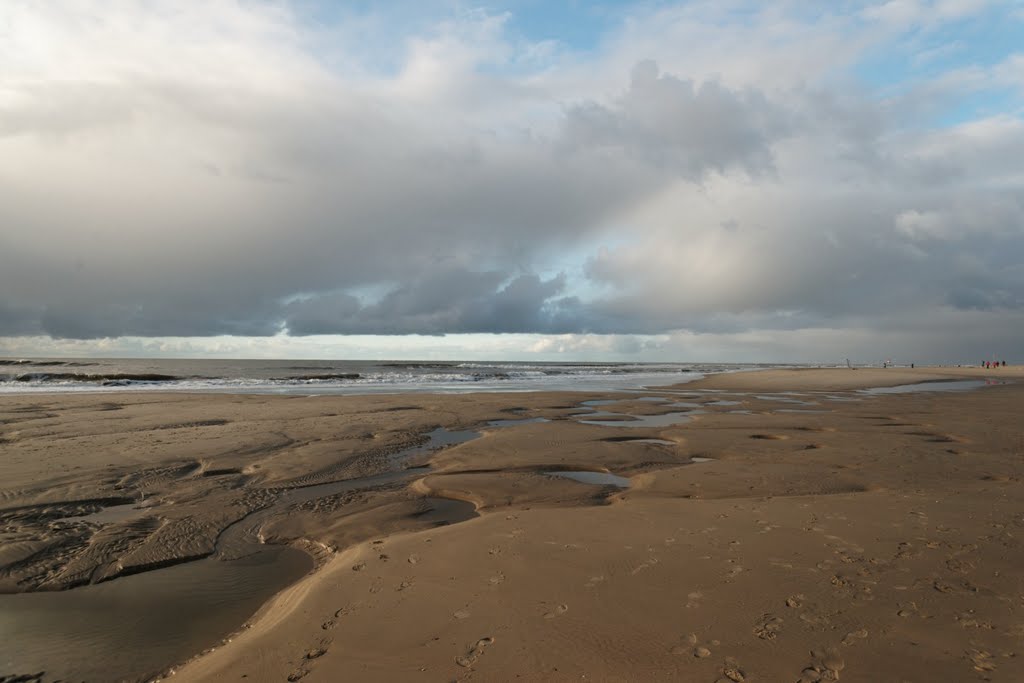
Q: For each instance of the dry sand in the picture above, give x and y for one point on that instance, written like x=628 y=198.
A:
x=831 y=535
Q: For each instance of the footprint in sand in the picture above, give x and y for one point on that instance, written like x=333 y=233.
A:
x=461 y=614
x=969 y=619
x=644 y=565
x=318 y=651
x=981 y=660
x=906 y=609
x=825 y=666
x=855 y=636
x=693 y=599
x=496 y=579
x=732 y=672
x=556 y=612
x=333 y=621
x=689 y=646
x=467 y=660
x=906 y=551
x=816 y=619
x=311 y=654
x=768 y=626
x=954 y=586
x=594 y=580
x=840 y=582
x=959 y=566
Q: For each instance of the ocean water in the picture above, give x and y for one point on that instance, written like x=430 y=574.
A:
x=337 y=376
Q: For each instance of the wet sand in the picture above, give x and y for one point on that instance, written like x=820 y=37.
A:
x=778 y=525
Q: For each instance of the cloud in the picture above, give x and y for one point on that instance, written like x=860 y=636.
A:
x=456 y=301
x=225 y=168
x=904 y=13
x=687 y=130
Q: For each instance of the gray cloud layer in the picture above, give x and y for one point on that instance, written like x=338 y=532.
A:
x=248 y=190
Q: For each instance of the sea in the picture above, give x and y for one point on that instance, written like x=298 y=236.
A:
x=28 y=375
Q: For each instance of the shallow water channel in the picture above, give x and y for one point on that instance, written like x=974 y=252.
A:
x=609 y=419
x=593 y=478
x=134 y=627
x=934 y=385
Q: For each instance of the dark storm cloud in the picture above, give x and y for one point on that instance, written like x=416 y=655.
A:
x=446 y=302
x=18 y=321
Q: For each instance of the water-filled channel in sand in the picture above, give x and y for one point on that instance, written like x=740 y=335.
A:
x=595 y=478
x=609 y=419
x=134 y=627
x=137 y=625
x=935 y=385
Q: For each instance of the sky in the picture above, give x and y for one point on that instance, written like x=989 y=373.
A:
x=714 y=180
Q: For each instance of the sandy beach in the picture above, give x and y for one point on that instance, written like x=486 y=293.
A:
x=780 y=525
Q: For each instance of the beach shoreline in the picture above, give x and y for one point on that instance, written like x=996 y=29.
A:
x=753 y=471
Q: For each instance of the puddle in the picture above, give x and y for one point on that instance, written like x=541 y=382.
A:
x=786 y=399
x=513 y=423
x=112 y=514
x=660 y=442
x=938 y=385
x=444 y=511
x=436 y=440
x=595 y=478
x=605 y=415
x=696 y=458
x=137 y=625
x=724 y=403
x=439 y=438
x=800 y=410
x=666 y=420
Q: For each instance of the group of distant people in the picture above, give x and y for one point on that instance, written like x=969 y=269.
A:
x=989 y=364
